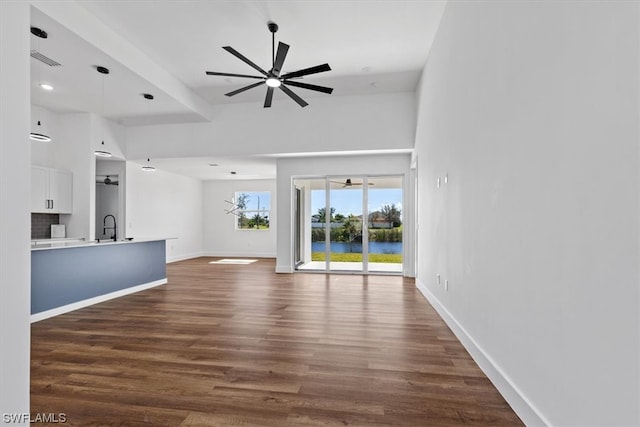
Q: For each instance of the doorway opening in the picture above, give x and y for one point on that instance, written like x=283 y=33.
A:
x=350 y=224
x=109 y=200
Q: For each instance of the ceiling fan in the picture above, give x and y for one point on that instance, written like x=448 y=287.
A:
x=106 y=181
x=272 y=78
x=348 y=183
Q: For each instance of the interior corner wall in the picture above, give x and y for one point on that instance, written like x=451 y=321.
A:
x=15 y=253
x=220 y=235
x=290 y=168
x=164 y=205
x=531 y=109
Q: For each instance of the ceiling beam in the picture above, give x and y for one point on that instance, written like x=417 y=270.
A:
x=87 y=26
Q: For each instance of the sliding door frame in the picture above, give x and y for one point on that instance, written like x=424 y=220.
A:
x=365 y=220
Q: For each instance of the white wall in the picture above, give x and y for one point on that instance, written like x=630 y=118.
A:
x=531 y=108
x=290 y=168
x=73 y=152
x=220 y=235
x=165 y=205
x=366 y=122
x=15 y=254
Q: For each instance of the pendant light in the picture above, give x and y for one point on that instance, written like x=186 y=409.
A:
x=148 y=167
x=40 y=34
x=102 y=152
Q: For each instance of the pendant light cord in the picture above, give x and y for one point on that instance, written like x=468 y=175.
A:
x=102 y=108
x=273 y=50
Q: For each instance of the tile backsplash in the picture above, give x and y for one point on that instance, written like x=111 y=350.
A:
x=41 y=225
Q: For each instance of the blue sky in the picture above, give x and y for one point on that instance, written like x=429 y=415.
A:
x=263 y=196
x=350 y=201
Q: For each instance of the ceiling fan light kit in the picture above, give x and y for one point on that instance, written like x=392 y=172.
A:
x=273 y=78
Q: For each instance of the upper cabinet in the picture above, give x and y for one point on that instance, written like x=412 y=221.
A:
x=51 y=190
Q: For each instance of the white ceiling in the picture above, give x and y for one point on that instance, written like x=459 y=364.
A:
x=372 y=47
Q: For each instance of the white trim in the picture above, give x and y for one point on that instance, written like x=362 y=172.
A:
x=227 y=254
x=183 y=257
x=525 y=409
x=95 y=300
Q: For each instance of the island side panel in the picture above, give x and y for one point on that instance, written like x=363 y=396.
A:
x=65 y=276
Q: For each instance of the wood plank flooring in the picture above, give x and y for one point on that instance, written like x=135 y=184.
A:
x=238 y=345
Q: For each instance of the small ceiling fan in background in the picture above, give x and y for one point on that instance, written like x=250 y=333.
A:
x=272 y=78
x=106 y=181
x=349 y=183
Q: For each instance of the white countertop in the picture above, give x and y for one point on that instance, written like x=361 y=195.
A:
x=45 y=244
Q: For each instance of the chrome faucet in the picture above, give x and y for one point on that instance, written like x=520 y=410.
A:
x=104 y=223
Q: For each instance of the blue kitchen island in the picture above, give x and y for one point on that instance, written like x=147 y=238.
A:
x=68 y=276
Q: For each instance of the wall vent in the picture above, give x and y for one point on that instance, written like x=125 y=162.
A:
x=42 y=58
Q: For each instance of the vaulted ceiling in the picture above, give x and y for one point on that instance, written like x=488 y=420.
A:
x=164 y=48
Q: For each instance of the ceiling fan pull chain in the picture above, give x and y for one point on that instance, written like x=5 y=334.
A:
x=273 y=50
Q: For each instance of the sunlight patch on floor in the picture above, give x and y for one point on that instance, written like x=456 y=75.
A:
x=237 y=261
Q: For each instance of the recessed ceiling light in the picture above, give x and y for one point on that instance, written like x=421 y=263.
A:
x=233 y=173
x=213 y=164
x=46 y=86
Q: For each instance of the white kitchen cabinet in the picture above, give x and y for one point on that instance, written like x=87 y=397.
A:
x=51 y=190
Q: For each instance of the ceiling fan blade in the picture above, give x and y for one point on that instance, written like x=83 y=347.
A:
x=242 y=89
x=323 y=89
x=244 y=59
x=311 y=70
x=280 y=56
x=301 y=102
x=269 y=97
x=214 y=73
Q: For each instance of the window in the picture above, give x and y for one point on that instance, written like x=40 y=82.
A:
x=253 y=210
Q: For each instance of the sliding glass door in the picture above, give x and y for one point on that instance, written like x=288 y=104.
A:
x=384 y=230
x=346 y=207
x=348 y=224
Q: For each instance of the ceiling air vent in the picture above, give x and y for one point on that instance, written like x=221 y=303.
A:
x=42 y=58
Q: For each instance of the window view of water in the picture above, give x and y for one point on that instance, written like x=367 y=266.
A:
x=374 y=247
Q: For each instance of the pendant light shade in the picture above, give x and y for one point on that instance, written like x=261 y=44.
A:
x=37 y=136
x=102 y=152
x=148 y=167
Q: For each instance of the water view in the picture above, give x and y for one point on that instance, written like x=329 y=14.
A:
x=356 y=247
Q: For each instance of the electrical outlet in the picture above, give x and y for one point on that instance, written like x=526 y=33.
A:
x=446 y=179
x=438 y=183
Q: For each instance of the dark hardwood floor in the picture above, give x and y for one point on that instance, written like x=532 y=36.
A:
x=238 y=345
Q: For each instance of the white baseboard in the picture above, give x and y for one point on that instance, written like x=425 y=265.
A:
x=529 y=414
x=183 y=257
x=284 y=269
x=241 y=254
x=95 y=300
